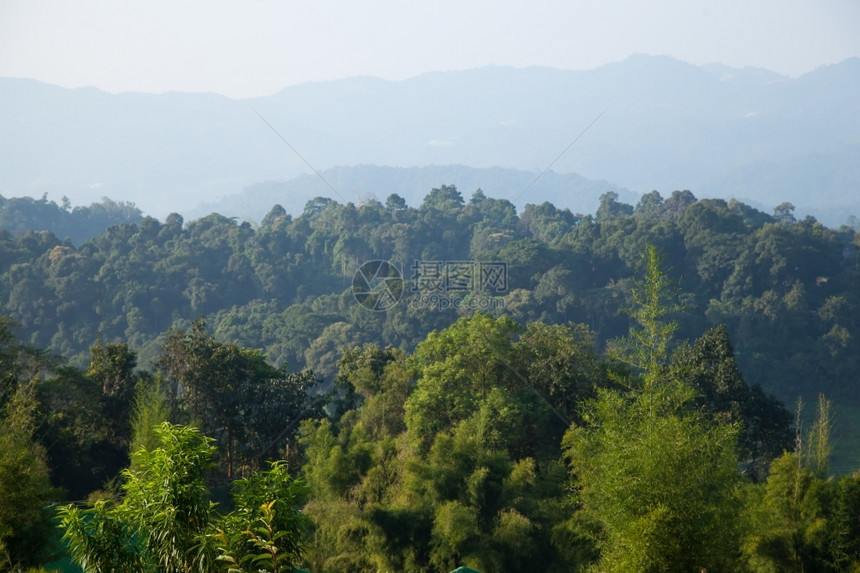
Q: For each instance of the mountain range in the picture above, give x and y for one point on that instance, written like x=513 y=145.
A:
x=525 y=134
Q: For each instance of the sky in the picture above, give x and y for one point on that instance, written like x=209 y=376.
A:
x=255 y=48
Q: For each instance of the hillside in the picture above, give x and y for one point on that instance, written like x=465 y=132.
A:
x=19 y=215
x=438 y=376
x=786 y=289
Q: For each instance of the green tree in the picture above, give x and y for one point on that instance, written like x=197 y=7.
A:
x=611 y=209
x=395 y=202
x=255 y=548
x=564 y=368
x=708 y=366
x=649 y=205
x=25 y=487
x=99 y=541
x=798 y=520
x=25 y=480
x=166 y=522
x=86 y=427
x=84 y=454
x=801 y=518
x=442 y=196
x=789 y=527
x=148 y=411
x=167 y=500
x=265 y=530
x=465 y=468
x=655 y=482
x=234 y=391
x=112 y=366
x=784 y=213
x=547 y=223
x=844 y=525
x=459 y=366
x=676 y=204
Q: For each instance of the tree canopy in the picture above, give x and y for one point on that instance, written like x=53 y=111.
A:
x=550 y=390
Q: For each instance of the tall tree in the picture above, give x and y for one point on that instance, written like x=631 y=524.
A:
x=655 y=482
x=149 y=410
x=233 y=391
x=708 y=366
x=25 y=485
x=610 y=208
x=112 y=366
x=792 y=515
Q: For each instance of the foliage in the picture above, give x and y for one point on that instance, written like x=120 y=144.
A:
x=708 y=366
x=166 y=521
x=790 y=531
x=432 y=436
x=231 y=389
x=647 y=347
x=98 y=540
x=149 y=410
x=657 y=487
x=87 y=418
x=465 y=467
x=263 y=553
x=25 y=488
x=266 y=528
x=655 y=482
x=800 y=519
x=22 y=214
x=167 y=500
x=26 y=492
x=279 y=287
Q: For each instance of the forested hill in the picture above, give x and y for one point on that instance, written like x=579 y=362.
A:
x=786 y=289
x=430 y=434
x=77 y=224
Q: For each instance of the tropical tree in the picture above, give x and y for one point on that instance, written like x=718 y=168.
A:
x=234 y=391
x=26 y=492
x=265 y=530
x=610 y=208
x=708 y=366
x=166 y=521
x=655 y=482
x=447 y=456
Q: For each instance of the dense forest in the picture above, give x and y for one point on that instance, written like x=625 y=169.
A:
x=75 y=224
x=612 y=394
x=786 y=290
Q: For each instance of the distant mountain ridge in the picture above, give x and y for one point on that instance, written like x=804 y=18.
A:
x=718 y=131
x=359 y=183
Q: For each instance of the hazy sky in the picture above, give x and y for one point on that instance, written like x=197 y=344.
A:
x=254 y=48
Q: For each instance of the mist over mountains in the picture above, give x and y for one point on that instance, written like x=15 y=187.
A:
x=666 y=125
x=362 y=183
